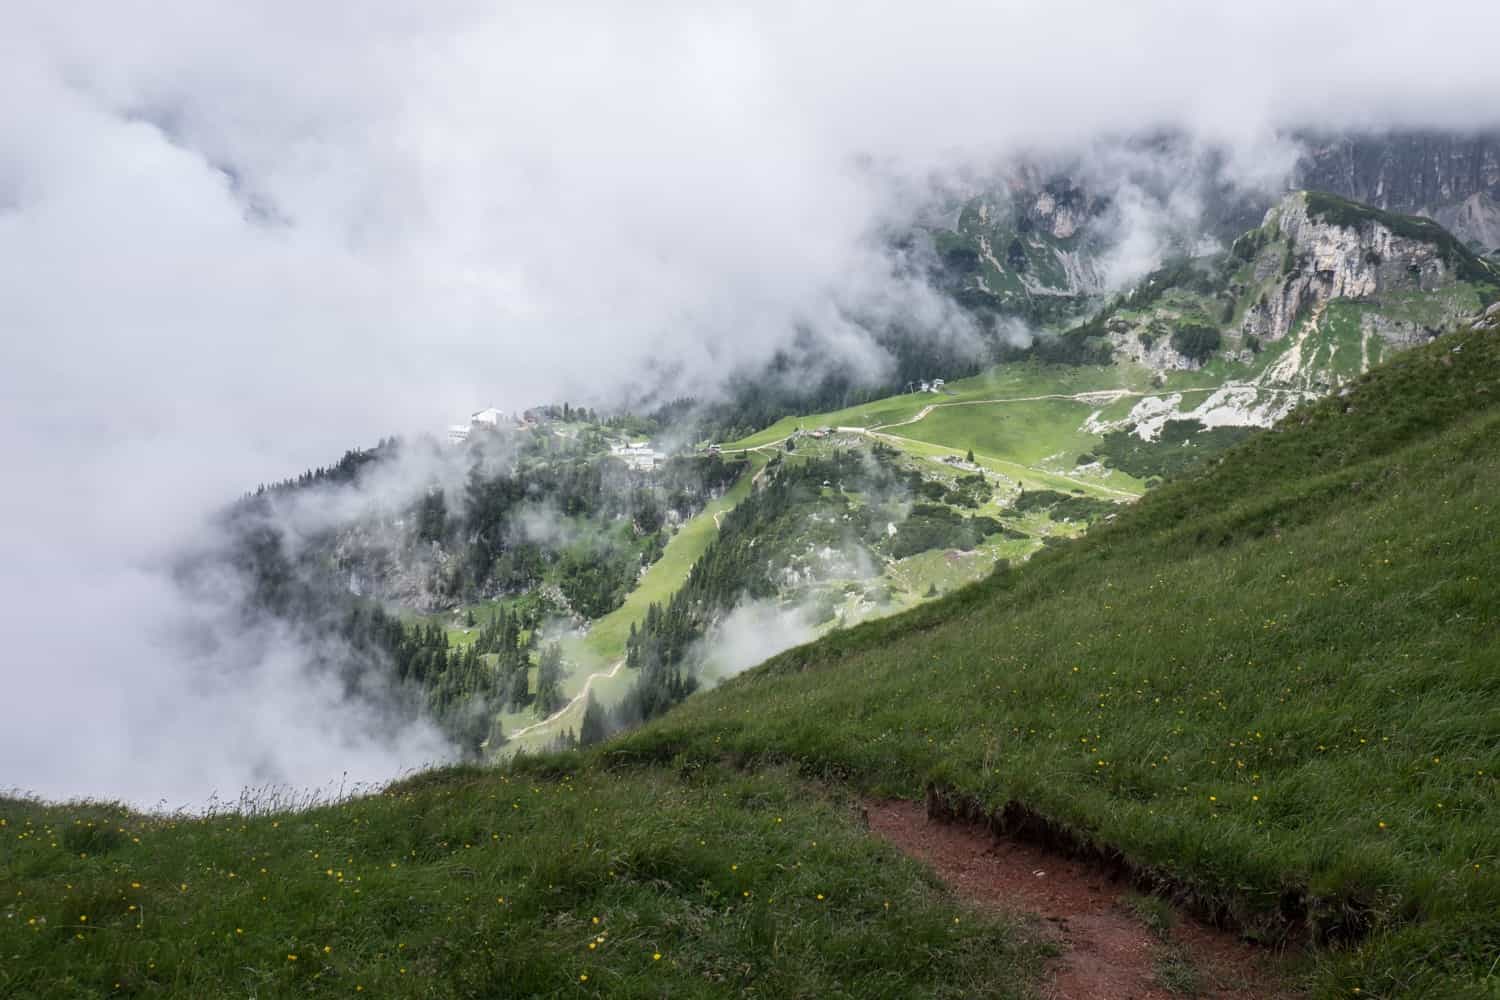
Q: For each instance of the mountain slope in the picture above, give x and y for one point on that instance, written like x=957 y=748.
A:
x=1270 y=688
x=469 y=883
x=1451 y=177
x=1275 y=682
x=1316 y=265
x=560 y=528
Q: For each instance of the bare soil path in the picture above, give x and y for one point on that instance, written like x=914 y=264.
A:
x=1108 y=952
x=587 y=684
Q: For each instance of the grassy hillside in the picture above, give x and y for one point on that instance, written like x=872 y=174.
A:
x=1277 y=682
x=467 y=883
x=1018 y=381
x=1274 y=688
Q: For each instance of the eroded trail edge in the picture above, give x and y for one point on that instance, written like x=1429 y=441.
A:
x=1114 y=945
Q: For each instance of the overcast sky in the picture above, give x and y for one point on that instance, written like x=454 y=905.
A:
x=238 y=238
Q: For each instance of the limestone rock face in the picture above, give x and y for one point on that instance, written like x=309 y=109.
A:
x=1476 y=219
x=1330 y=261
x=1061 y=220
x=380 y=560
x=1436 y=174
x=1489 y=319
x=1136 y=342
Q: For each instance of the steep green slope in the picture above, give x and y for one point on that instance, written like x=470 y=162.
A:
x=1277 y=682
x=1272 y=688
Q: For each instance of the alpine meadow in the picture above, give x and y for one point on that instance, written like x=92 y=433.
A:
x=944 y=501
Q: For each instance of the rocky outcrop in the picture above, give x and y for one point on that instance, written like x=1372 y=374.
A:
x=1147 y=341
x=1321 y=259
x=1475 y=220
x=1436 y=174
x=379 y=559
x=1061 y=209
x=1489 y=319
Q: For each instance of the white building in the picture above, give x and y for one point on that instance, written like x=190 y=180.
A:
x=641 y=457
x=489 y=418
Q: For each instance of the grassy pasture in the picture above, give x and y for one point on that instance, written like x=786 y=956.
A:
x=1277 y=681
x=468 y=883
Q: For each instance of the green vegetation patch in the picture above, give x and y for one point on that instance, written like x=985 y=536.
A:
x=1181 y=445
x=1026 y=432
x=1062 y=506
x=933 y=526
x=467 y=882
x=1275 y=681
x=1196 y=342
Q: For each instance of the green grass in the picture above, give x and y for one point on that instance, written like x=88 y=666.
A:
x=1276 y=681
x=466 y=883
x=1340 y=352
x=1024 y=475
x=1155 y=913
x=1009 y=381
x=1274 y=684
x=947 y=571
x=874 y=414
x=604 y=644
x=1177 y=974
x=606 y=637
x=1023 y=433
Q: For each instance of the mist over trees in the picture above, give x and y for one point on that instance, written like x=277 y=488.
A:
x=555 y=527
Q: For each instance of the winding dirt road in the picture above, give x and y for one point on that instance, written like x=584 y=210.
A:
x=580 y=696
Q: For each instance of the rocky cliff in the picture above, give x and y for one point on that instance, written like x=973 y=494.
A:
x=1339 y=275
x=1448 y=176
x=1315 y=248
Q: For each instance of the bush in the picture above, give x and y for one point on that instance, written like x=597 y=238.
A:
x=964 y=260
x=931 y=526
x=986 y=526
x=1181 y=446
x=1061 y=507
x=1197 y=343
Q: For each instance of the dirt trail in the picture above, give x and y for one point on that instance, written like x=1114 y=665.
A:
x=587 y=684
x=1108 y=953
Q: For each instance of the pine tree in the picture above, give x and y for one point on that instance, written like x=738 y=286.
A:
x=594 y=728
x=549 y=675
x=520 y=689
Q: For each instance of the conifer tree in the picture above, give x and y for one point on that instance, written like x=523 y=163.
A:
x=594 y=727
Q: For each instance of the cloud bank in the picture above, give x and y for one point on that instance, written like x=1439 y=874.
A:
x=238 y=238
